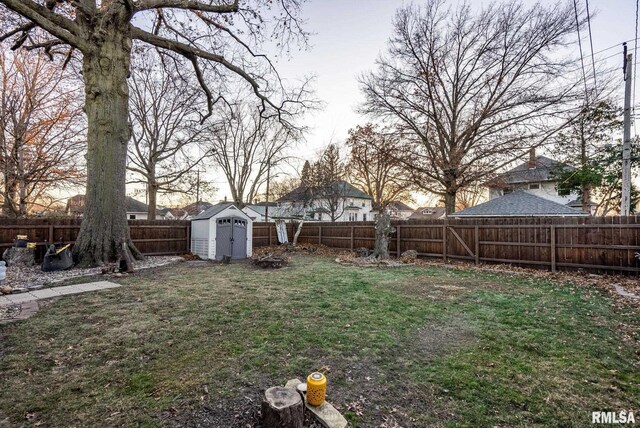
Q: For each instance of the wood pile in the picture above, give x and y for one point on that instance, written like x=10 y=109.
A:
x=270 y=261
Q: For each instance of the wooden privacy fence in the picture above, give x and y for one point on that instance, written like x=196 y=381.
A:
x=590 y=243
x=151 y=237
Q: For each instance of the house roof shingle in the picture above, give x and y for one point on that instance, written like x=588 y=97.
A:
x=436 y=212
x=519 y=204
x=135 y=206
x=196 y=208
x=76 y=204
x=347 y=190
x=543 y=171
x=397 y=205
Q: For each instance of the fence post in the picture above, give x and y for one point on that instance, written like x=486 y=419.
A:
x=320 y=234
x=444 y=242
x=51 y=235
x=477 y=244
x=269 y=234
x=398 y=241
x=352 y=238
x=553 y=248
x=187 y=229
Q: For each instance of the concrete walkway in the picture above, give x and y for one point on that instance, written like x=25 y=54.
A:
x=47 y=293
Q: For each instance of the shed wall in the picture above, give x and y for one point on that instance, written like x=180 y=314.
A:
x=200 y=238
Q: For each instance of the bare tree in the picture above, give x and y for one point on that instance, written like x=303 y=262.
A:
x=328 y=188
x=374 y=166
x=472 y=91
x=245 y=146
x=282 y=186
x=471 y=195
x=166 y=129
x=217 y=39
x=41 y=132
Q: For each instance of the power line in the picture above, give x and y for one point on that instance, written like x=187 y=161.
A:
x=635 y=56
x=584 y=76
x=617 y=45
x=593 y=60
x=596 y=61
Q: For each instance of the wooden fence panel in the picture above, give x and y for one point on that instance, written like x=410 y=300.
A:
x=151 y=237
x=599 y=244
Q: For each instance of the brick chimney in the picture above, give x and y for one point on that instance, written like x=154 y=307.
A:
x=532 y=158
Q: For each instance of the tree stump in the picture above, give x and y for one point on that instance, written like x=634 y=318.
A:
x=383 y=233
x=19 y=257
x=282 y=408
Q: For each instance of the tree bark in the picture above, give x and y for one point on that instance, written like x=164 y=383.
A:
x=586 y=198
x=105 y=228
x=450 y=201
x=22 y=185
x=152 y=192
x=282 y=408
x=297 y=234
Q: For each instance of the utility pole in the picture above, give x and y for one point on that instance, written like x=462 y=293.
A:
x=625 y=200
x=266 y=206
x=198 y=192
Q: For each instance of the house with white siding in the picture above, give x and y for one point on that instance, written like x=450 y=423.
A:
x=535 y=176
x=341 y=201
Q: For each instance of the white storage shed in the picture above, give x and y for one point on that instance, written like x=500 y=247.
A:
x=222 y=230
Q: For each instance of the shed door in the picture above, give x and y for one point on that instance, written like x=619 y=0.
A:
x=224 y=235
x=231 y=238
x=239 y=246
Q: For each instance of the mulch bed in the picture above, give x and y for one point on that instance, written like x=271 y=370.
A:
x=25 y=276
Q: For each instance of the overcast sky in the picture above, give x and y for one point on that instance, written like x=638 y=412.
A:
x=350 y=34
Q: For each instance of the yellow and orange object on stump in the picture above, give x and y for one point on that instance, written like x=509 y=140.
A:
x=316 y=388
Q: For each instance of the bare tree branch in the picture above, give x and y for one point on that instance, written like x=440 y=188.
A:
x=56 y=24
x=186 y=4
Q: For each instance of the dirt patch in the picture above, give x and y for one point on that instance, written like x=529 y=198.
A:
x=431 y=287
x=436 y=340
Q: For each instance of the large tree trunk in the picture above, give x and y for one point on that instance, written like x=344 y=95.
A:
x=104 y=227
x=22 y=184
x=10 y=184
x=152 y=192
x=450 y=201
x=10 y=193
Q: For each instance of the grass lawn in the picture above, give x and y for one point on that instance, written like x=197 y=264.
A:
x=414 y=346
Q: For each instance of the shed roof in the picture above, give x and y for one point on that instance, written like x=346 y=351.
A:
x=217 y=209
x=519 y=204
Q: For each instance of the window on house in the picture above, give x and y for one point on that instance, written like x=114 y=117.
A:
x=534 y=186
x=427 y=212
x=363 y=205
x=364 y=217
x=132 y=217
